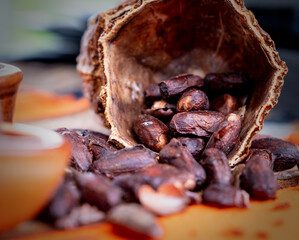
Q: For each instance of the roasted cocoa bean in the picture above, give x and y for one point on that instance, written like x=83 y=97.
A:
x=130 y=184
x=221 y=83
x=166 y=200
x=161 y=174
x=258 y=179
x=177 y=85
x=175 y=154
x=155 y=176
x=81 y=156
x=97 y=143
x=80 y=216
x=136 y=218
x=260 y=153
x=200 y=123
x=285 y=154
x=64 y=200
x=227 y=135
x=125 y=161
x=152 y=93
x=216 y=166
x=194 y=145
x=163 y=104
x=161 y=109
x=193 y=100
x=98 y=191
x=225 y=104
x=224 y=196
x=151 y=132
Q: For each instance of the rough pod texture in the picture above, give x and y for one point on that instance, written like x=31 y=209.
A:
x=146 y=41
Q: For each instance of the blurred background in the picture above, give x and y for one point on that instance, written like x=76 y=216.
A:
x=43 y=38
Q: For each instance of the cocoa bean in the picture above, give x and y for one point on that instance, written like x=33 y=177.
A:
x=221 y=83
x=225 y=104
x=80 y=216
x=81 y=156
x=258 y=179
x=161 y=174
x=166 y=200
x=98 y=191
x=125 y=161
x=225 y=196
x=285 y=154
x=152 y=93
x=64 y=200
x=194 y=145
x=97 y=143
x=227 y=135
x=216 y=166
x=151 y=132
x=179 y=156
x=161 y=109
x=193 y=100
x=136 y=218
x=200 y=123
x=177 y=85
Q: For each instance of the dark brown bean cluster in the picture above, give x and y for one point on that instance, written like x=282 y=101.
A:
x=189 y=107
x=104 y=183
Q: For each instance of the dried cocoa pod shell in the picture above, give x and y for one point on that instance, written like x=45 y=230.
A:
x=120 y=58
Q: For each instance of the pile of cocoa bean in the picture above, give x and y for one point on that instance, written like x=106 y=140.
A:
x=193 y=124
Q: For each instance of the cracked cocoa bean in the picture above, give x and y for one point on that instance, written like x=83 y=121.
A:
x=136 y=218
x=81 y=156
x=285 y=154
x=161 y=174
x=225 y=104
x=216 y=166
x=125 y=161
x=221 y=83
x=97 y=143
x=227 y=135
x=258 y=179
x=161 y=109
x=193 y=100
x=166 y=200
x=98 y=191
x=177 y=85
x=155 y=176
x=152 y=93
x=200 y=123
x=175 y=154
x=151 y=132
x=80 y=216
x=194 y=145
x=225 y=196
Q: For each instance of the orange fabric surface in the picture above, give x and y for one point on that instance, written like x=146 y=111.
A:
x=276 y=219
x=36 y=105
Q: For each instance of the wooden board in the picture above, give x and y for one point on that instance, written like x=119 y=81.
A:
x=276 y=219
